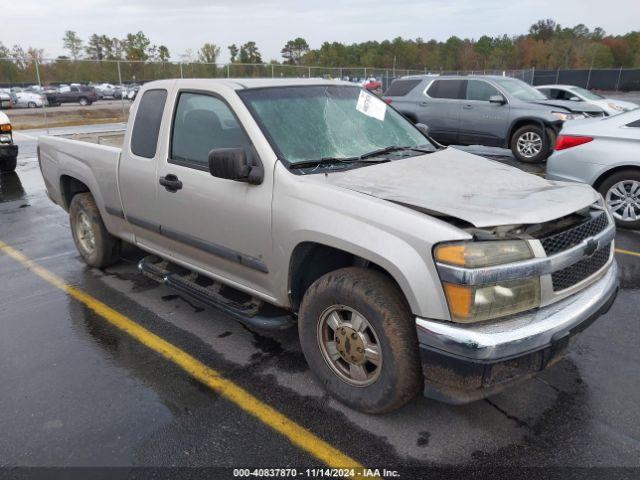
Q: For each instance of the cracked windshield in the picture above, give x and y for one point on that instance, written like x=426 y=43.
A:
x=330 y=122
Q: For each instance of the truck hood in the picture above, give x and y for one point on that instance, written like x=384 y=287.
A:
x=452 y=183
x=570 y=105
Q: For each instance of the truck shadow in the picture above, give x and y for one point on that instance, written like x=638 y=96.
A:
x=537 y=415
x=11 y=188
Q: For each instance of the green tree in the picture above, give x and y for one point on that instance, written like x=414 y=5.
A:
x=249 y=53
x=136 y=46
x=95 y=47
x=543 y=29
x=294 y=50
x=233 y=52
x=163 y=54
x=208 y=53
x=484 y=48
x=72 y=43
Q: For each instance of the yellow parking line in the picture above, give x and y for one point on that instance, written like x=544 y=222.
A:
x=296 y=434
x=627 y=252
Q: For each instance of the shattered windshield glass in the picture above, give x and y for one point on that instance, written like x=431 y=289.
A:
x=308 y=123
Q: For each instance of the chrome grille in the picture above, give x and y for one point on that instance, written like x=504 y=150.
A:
x=573 y=236
x=568 y=277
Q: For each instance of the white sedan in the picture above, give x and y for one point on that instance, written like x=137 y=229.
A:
x=29 y=100
x=610 y=106
x=604 y=154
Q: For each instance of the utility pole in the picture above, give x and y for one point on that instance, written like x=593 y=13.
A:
x=618 y=81
x=122 y=88
x=44 y=110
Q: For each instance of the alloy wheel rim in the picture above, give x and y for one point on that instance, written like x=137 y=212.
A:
x=349 y=345
x=84 y=233
x=623 y=200
x=529 y=144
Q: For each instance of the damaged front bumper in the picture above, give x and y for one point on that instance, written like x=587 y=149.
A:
x=466 y=362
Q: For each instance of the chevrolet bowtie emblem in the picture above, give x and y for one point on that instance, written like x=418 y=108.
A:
x=590 y=248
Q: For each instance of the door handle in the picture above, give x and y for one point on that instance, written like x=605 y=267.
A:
x=467 y=106
x=171 y=183
x=423 y=104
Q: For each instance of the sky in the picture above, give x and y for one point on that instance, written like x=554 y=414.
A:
x=188 y=24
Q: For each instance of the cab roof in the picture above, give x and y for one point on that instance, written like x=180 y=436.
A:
x=246 y=83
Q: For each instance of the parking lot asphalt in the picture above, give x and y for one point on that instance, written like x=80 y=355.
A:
x=78 y=389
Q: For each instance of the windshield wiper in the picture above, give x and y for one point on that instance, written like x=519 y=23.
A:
x=364 y=158
x=333 y=161
x=392 y=148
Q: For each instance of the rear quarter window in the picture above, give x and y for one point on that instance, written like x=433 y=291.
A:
x=146 y=126
x=399 y=88
x=451 y=89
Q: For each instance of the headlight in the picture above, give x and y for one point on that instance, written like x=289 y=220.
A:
x=616 y=107
x=483 y=254
x=5 y=138
x=562 y=116
x=475 y=303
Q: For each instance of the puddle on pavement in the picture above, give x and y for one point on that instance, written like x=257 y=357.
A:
x=11 y=188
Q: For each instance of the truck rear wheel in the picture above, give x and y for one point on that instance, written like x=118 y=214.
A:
x=96 y=245
x=359 y=338
x=9 y=165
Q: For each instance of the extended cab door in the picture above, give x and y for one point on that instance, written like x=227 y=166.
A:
x=439 y=108
x=218 y=225
x=483 y=122
x=137 y=170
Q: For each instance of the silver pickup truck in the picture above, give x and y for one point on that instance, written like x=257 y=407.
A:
x=405 y=265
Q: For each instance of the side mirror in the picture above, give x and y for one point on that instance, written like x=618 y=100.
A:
x=575 y=99
x=497 y=99
x=232 y=164
x=424 y=129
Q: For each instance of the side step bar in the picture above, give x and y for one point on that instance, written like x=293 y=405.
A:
x=252 y=312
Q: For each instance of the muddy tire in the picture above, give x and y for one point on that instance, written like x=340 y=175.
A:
x=96 y=245
x=530 y=144
x=9 y=165
x=359 y=338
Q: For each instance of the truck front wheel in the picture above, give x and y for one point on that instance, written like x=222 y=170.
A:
x=359 y=338
x=96 y=245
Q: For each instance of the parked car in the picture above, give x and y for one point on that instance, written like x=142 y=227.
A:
x=372 y=84
x=132 y=91
x=105 y=90
x=603 y=154
x=8 y=150
x=26 y=99
x=81 y=94
x=482 y=110
x=6 y=100
x=405 y=264
x=577 y=94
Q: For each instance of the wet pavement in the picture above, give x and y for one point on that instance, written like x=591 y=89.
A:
x=76 y=391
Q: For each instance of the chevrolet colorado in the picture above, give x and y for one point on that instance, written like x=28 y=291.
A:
x=405 y=265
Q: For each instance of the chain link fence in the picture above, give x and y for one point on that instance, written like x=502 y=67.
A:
x=22 y=77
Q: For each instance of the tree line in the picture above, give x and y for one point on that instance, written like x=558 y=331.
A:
x=547 y=45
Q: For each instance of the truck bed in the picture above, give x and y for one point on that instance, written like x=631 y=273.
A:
x=91 y=159
x=111 y=139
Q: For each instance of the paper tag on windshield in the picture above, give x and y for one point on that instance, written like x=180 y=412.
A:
x=371 y=106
